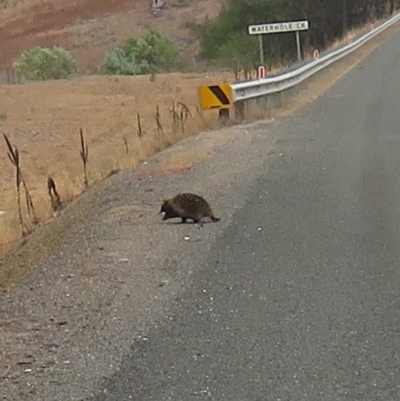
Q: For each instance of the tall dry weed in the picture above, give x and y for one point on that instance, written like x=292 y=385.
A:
x=55 y=199
x=14 y=158
x=84 y=153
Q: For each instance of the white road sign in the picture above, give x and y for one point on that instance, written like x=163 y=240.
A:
x=278 y=27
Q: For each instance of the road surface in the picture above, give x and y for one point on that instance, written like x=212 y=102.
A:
x=299 y=298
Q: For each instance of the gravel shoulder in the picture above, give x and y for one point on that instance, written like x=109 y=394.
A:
x=99 y=284
x=107 y=269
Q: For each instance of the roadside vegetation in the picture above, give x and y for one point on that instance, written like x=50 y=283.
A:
x=224 y=41
x=39 y=64
x=149 y=54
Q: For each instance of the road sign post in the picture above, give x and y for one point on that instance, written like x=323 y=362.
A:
x=261 y=72
x=260 y=39
x=278 y=27
x=298 y=46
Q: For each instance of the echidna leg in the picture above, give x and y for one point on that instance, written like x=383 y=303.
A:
x=183 y=220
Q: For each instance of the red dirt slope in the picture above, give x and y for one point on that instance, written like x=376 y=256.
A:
x=18 y=33
x=88 y=28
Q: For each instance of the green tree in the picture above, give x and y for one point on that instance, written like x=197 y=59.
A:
x=150 y=53
x=233 y=19
x=328 y=19
x=240 y=52
x=43 y=63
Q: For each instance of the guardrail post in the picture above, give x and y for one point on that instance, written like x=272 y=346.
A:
x=239 y=110
x=223 y=115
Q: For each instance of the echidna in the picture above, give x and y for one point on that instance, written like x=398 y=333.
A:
x=187 y=206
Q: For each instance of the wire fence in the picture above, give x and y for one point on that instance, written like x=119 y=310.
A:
x=10 y=76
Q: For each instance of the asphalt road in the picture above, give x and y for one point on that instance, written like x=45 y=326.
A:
x=299 y=298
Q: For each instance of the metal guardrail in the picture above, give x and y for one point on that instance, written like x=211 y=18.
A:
x=263 y=87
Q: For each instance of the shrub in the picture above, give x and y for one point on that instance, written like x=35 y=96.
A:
x=42 y=63
x=239 y=52
x=148 y=54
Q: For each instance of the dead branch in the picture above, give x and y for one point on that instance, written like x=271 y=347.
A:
x=184 y=114
x=139 y=129
x=157 y=117
x=55 y=199
x=126 y=144
x=84 y=152
x=175 y=117
x=13 y=156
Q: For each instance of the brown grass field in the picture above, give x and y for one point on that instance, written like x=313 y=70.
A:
x=43 y=120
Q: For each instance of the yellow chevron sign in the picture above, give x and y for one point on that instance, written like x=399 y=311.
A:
x=215 y=96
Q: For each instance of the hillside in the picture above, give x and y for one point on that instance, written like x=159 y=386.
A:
x=90 y=29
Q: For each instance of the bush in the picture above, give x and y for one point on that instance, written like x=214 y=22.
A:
x=41 y=63
x=240 y=52
x=227 y=35
x=147 y=54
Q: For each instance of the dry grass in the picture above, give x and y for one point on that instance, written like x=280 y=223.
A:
x=347 y=37
x=44 y=121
